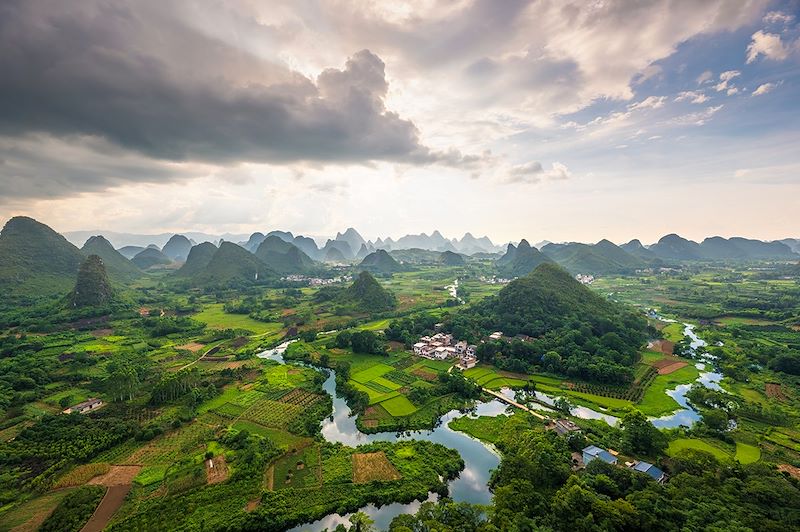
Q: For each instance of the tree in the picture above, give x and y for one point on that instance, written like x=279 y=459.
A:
x=361 y=523
x=639 y=435
x=716 y=419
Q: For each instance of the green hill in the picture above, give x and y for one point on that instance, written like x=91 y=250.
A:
x=199 y=257
x=448 y=258
x=177 y=248
x=367 y=295
x=92 y=288
x=334 y=255
x=35 y=260
x=232 y=264
x=520 y=260
x=602 y=258
x=584 y=335
x=150 y=258
x=380 y=262
x=118 y=267
x=283 y=257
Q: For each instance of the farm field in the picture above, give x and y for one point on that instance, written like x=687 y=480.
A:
x=214 y=316
x=677 y=445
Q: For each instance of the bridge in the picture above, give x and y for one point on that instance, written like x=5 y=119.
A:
x=515 y=404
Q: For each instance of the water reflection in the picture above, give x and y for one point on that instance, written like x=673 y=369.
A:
x=471 y=484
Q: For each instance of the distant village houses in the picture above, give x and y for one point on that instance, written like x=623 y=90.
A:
x=84 y=407
x=584 y=278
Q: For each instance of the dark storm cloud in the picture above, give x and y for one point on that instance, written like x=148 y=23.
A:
x=144 y=79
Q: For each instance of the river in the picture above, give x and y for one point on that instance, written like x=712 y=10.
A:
x=480 y=459
x=470 y=486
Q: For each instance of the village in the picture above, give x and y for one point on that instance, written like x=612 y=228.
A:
x=440 y=346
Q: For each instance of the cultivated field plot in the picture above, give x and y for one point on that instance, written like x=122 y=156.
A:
x=272 y=413
x=372 y=373
x=215 y=317
x=399 y=406
x=172 y=447
x=774 y=391
x=299 y=469
x=368 y=467
x=494 y=379
x=29 y=515
x=300 y=397
x=81 y=475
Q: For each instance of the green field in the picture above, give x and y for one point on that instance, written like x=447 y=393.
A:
x=655 y=401
x=371 y=373
x=747 y=454
x=399 y=406
x=215 y=317
x=675 y=446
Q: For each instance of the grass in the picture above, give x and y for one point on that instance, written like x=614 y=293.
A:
x=655 y=401
x=675 y=446
x=399 y=406
x=747 y=454
x=215 y=317
x=281 y=438
x=300 y=469
x=673 y=332
x=371 y=373
x=32 y=512
x=485 y=428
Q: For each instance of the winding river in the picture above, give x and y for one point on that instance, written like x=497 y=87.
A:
x=479 y=458
x=471 y=484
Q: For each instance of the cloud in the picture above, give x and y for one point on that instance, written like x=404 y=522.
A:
x=533 y=172
x=695 y=119
x=764 y=88
x=778 y=17
x=725 y=79
x=769 y=45
x=692 y=97
x=705 y=77
x=147 y=80
x=651 y=102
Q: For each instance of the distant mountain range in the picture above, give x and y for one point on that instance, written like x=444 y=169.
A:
x=36 y=260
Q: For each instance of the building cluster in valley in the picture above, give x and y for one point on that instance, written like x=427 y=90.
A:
x=441 y=346
x=584 y=278
x=495 y=280
x=317 y=281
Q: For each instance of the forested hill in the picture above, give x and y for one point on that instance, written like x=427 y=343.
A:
x=573 y=330
x=35 y=260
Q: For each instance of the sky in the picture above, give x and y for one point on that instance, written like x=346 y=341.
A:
x=552 y=119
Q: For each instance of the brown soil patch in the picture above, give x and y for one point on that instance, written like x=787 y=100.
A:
x=252 y=505
x=793 y=471
x=239 y=342
x=671 y=368
x=662 y=346
x=118 y=475
x=774 y=391
x=425 y=374
x=144 y=311
x=370 y=423
x=100 y=333
x=292 y=371
x=269 y=478
x=216 y=470
x=111 y=502
x=191 y=346
x=373 y=466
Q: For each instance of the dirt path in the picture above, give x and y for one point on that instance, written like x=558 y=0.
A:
x=111 y=502
x=193 y=362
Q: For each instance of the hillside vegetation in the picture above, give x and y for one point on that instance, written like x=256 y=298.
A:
x=35 y=260
x=573 y=330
